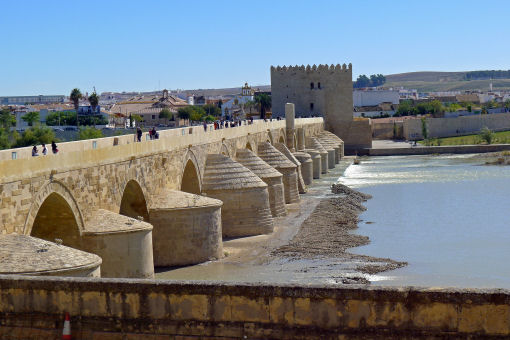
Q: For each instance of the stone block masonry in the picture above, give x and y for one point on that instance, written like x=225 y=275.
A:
x=102 y=308
x=323 y=90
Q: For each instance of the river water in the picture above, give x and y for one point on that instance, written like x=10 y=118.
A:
x=447 y=216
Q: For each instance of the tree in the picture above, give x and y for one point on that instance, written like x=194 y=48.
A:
x=263 y=101
x=165 y=114
x=424 y=129
x=89 y=133
x=211 y=109
x=183 y=112
x=4 y=139
x=362 y=81
x=35 y=135
x=136 y=118
x=7 y=120
x=31 y=117
x=209 y=118
x=75 y=98
x=193 y=113
x=61 y=118
x=196 y=115
x=93 y=100
x=405 y=108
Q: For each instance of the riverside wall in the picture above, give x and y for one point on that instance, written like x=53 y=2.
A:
x=427 y=150
x=33 y=308
x=459 y=126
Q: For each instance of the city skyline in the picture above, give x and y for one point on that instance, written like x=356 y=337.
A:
x=124 y=46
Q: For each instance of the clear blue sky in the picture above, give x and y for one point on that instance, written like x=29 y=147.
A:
x=49 y=47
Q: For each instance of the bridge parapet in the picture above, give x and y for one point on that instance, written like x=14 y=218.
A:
x=79 y=154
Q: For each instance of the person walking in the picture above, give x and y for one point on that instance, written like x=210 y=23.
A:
x=205 y=126
x=139 y=134
x=44 y=150
x=54 y=148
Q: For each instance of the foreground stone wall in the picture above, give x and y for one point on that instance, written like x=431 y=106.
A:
x=101 y=308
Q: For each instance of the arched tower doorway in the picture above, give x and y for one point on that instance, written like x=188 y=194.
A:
x=56 y=220
x=190 y=181
x=133 y=203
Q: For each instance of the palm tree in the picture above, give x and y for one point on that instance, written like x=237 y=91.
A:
x=75 y=98
x=264 y=102
x=94 y=100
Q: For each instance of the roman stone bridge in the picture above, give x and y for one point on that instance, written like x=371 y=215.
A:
x=98 y=195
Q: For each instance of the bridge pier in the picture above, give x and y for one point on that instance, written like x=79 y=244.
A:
x=245 y=197
x=270 y=176
x=313 y=143
x=277 y=160
x=187 y=228
x=123 y=243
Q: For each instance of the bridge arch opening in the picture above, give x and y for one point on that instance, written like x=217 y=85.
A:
x=281 y=140
x=133 y=203
x=56 y=220
x=248 y=146
x=190 y=181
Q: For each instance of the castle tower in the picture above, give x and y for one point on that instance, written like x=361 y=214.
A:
x=324 y=90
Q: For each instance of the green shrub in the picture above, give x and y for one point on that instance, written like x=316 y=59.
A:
x=89 y=133
x=487 y=135
x=35 y=135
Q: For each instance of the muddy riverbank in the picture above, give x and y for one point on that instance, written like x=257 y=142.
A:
x=309 y=245
x=326 y=233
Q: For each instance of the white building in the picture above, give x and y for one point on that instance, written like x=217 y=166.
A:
x=247 y=94
x=375 y=97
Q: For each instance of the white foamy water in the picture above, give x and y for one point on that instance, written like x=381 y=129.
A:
x=448 y=216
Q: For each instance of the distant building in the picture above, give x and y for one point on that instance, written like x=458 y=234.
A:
x=22 y=100
x=235 y=104
x=375 y=97
x=199 y=100
x=148 y=107
x=88 y=110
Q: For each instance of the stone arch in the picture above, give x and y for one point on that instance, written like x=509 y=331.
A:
x=248 y=146
x=295 y=142
x=282 y=135
x=270 y=137
x=133 y=202
x=190 y=179
x=54 y=214
x=224 y=150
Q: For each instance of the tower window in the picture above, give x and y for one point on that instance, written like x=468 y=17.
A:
x=311 y=106
x=319 y=85
x=311 y=86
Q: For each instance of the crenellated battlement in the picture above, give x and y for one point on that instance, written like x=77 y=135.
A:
x=313 y=68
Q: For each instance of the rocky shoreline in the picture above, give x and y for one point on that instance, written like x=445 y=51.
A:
x=326 y=234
